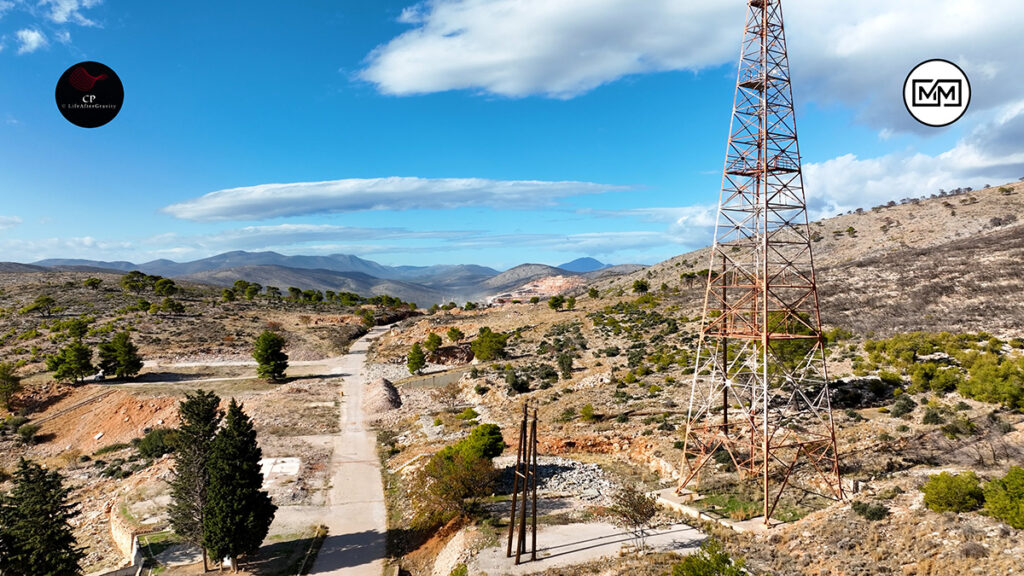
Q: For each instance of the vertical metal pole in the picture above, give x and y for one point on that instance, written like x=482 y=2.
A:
x=764 y=247
x=515 y=483
x=533 y=441
x=725 y=349
x=521 y=544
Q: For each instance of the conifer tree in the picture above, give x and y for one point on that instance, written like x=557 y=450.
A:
x=433 y=342
x=71 y=363
x=200 y=417
x=35 y=537
x=270 y=356
x=120 y=357
x=10 y=383
x=238 y=512
x=417 y=359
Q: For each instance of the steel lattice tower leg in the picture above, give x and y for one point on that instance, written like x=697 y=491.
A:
x=760 y=389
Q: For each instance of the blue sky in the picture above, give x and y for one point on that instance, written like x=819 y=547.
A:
x=491 y=132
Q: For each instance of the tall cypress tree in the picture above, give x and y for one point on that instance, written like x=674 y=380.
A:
x=200 y=417
x=35 y=537
x=238 y=512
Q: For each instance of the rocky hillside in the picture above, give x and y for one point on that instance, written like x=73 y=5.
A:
x=944 y=263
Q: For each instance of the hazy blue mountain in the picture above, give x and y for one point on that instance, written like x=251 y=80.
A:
x=319 y=279
x=424 y=285
x=583 y=265
x=77 y=262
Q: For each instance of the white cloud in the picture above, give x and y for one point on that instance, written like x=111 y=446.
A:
x=76 y=247
x=522 y=47
x=687 y=225
x=64 y=11
x=284 y=235
x=561 y=49
x=601 y=244
x=9 y=222
x=30 y=40
x=5 y=7
x=990 y=154
x=395 y=193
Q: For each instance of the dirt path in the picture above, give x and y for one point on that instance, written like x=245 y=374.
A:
x=354 y=514
x=567 y=545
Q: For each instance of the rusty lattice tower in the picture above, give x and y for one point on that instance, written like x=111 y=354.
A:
x=760 y=390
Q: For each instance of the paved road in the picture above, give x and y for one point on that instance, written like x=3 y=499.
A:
x=355 y=515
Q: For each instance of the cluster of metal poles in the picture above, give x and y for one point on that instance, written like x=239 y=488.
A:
x=525 y=481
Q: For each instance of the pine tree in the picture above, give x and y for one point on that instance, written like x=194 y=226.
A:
x=270 y=356
x=200 y=417
x=417 y=359
x=433 y=342
x=35 y=537
x=10 y=383
x=237 y=513
x=120 y=357
x=71 y=363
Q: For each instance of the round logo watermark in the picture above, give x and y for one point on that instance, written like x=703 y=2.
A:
x=89 y=94
x=937 y=93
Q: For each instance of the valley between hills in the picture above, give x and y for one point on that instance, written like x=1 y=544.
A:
x=924 y=319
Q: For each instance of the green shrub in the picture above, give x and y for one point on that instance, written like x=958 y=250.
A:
x=468 y=414
x=485 y=441
x=12 y=423
x=710 y=560
x=873 y=512
x=955 y=493
x=110 y=448
x=460 y=570
x=156 y=443
x=489 y=345
x=932 y=416
x=27 y=433
x=587 y=413
x=960 y=426
x=1004 y=498
x=994 y=378
x=567 y=415
x=902 y=406
x=890 y=493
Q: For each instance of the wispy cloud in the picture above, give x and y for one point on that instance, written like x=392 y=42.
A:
x=286 y=235
x=9 y=222
x=5 y=7
x=600 y=244
x=30 y=40
x=396 y=193
x=21 y=250
x=65 y=11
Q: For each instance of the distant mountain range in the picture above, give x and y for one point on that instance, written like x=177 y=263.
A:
x=583 y=265
x=424 y=285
